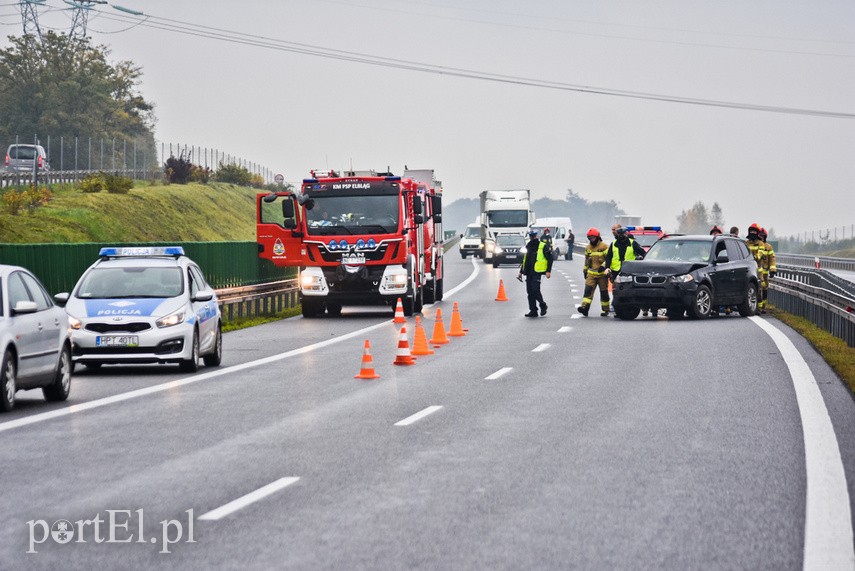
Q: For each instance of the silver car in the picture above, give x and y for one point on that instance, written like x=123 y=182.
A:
x=22 y=158
x=144 y=305
x=34 y=339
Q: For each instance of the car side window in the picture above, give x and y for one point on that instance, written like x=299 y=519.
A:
x=197 y=280
x=195 y=286
x=743 y=249
x=17 y=290
x=37 y=292
x=721 y=247
x=734 y=251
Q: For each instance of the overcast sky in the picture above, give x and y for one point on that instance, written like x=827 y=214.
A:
x=294 y=112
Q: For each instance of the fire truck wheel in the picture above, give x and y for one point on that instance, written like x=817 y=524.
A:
x=438 y=291
x=430 y=291
x=311 y=307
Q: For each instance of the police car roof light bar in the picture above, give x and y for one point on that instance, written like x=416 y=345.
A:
x=654 y=228
x=174 y=251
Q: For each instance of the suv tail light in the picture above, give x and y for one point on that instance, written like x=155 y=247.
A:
x=41 y=161
x=8 y=160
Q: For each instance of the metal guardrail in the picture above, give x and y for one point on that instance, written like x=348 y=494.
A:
x=825 y=262
x=820 y=297
x=263 y=299
x=12 y=179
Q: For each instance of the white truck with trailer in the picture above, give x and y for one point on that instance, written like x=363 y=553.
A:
x=503 y=212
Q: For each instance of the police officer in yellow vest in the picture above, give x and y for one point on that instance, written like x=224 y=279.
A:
x=537 y=261
x=622 y=249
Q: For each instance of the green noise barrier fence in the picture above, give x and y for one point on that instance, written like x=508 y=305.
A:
x=225 y=264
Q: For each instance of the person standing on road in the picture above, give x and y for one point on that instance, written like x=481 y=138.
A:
x=715 y=231
x=768 y=271
x=758 y=250
x=537 y=261
x=624 y=248
x=571 y=240
x=734 y=231
x=594 y=271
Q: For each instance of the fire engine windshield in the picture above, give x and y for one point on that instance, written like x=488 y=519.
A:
x=344 y=215
x=508 y=218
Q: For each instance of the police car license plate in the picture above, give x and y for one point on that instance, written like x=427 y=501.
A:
x=117 y=341
x=353 y=259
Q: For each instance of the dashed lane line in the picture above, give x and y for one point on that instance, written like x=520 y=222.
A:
x=248 y=499
x=418 y=416
x=542 y=347
x=499 y=373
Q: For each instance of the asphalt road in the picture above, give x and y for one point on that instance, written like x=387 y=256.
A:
x=557 y=442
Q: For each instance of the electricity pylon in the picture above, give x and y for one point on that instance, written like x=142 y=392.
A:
x=80 y=17
x=30 y=18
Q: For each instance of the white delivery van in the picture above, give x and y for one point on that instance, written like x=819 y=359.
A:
x=470 y=241
x=560 y=228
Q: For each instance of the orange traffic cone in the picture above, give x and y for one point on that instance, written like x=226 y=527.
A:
x=367 y=370
x=420 y=342
x=456 y=323
x=439 y=336
x=501 y=295
x=403 y=357
x=399 y=313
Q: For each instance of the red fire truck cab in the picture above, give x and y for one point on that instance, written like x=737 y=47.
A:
x=359 y=238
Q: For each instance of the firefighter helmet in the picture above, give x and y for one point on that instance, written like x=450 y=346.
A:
x=715 y=230
x=593 y=232
x=763 y=233
x=755 y=227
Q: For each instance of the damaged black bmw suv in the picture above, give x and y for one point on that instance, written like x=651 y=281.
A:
x=691 y=274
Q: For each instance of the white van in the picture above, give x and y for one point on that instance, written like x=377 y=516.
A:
x=560 y=228
x=470 y=241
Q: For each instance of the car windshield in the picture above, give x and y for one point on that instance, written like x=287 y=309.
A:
x=510 y=241
x=680 y=251
x=343 y=215
x=113 y=283
x=473 y=232
x=508 y=218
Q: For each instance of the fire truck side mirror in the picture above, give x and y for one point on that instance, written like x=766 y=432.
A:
x=289 y=224
x=419 y=219
x=417 y=206
x=287 y=209
x=437 y=217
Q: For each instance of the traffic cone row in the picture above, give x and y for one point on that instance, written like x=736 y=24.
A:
x=404 y=356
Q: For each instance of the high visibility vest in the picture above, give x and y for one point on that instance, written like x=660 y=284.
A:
x=628 y=255
x=540 y=263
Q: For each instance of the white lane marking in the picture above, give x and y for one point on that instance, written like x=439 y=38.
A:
x=542 y=347
x=44 y=416
x=565 y=329
x=828 y=518
x=499 y=373
x=244 y=501
x=418 y=416
x=466 y=282
x=577 y=316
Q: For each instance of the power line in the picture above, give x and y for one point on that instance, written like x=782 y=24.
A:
x=229 y=36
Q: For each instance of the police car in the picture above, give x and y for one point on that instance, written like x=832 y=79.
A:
x=144 y=305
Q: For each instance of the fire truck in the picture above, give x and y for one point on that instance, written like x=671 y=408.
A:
x=359 y=238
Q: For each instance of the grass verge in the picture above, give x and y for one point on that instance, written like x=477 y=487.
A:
x=244 y=322
x=836 y=352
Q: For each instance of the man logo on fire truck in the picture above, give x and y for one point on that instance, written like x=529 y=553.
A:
x=359 y=237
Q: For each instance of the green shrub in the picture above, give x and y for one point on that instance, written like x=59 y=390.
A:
x=95 y=182
x=234 y=174
x=117 y=184
x=178 y=170
x=200 y=174
x=12 y=201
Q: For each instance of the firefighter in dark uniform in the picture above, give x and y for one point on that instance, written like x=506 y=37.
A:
x=537 y=261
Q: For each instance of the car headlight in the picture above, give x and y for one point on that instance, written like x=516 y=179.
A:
x=497 y=250
x=171 y=319
x=623 y=278
x=74 y=323
x=682 y=278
